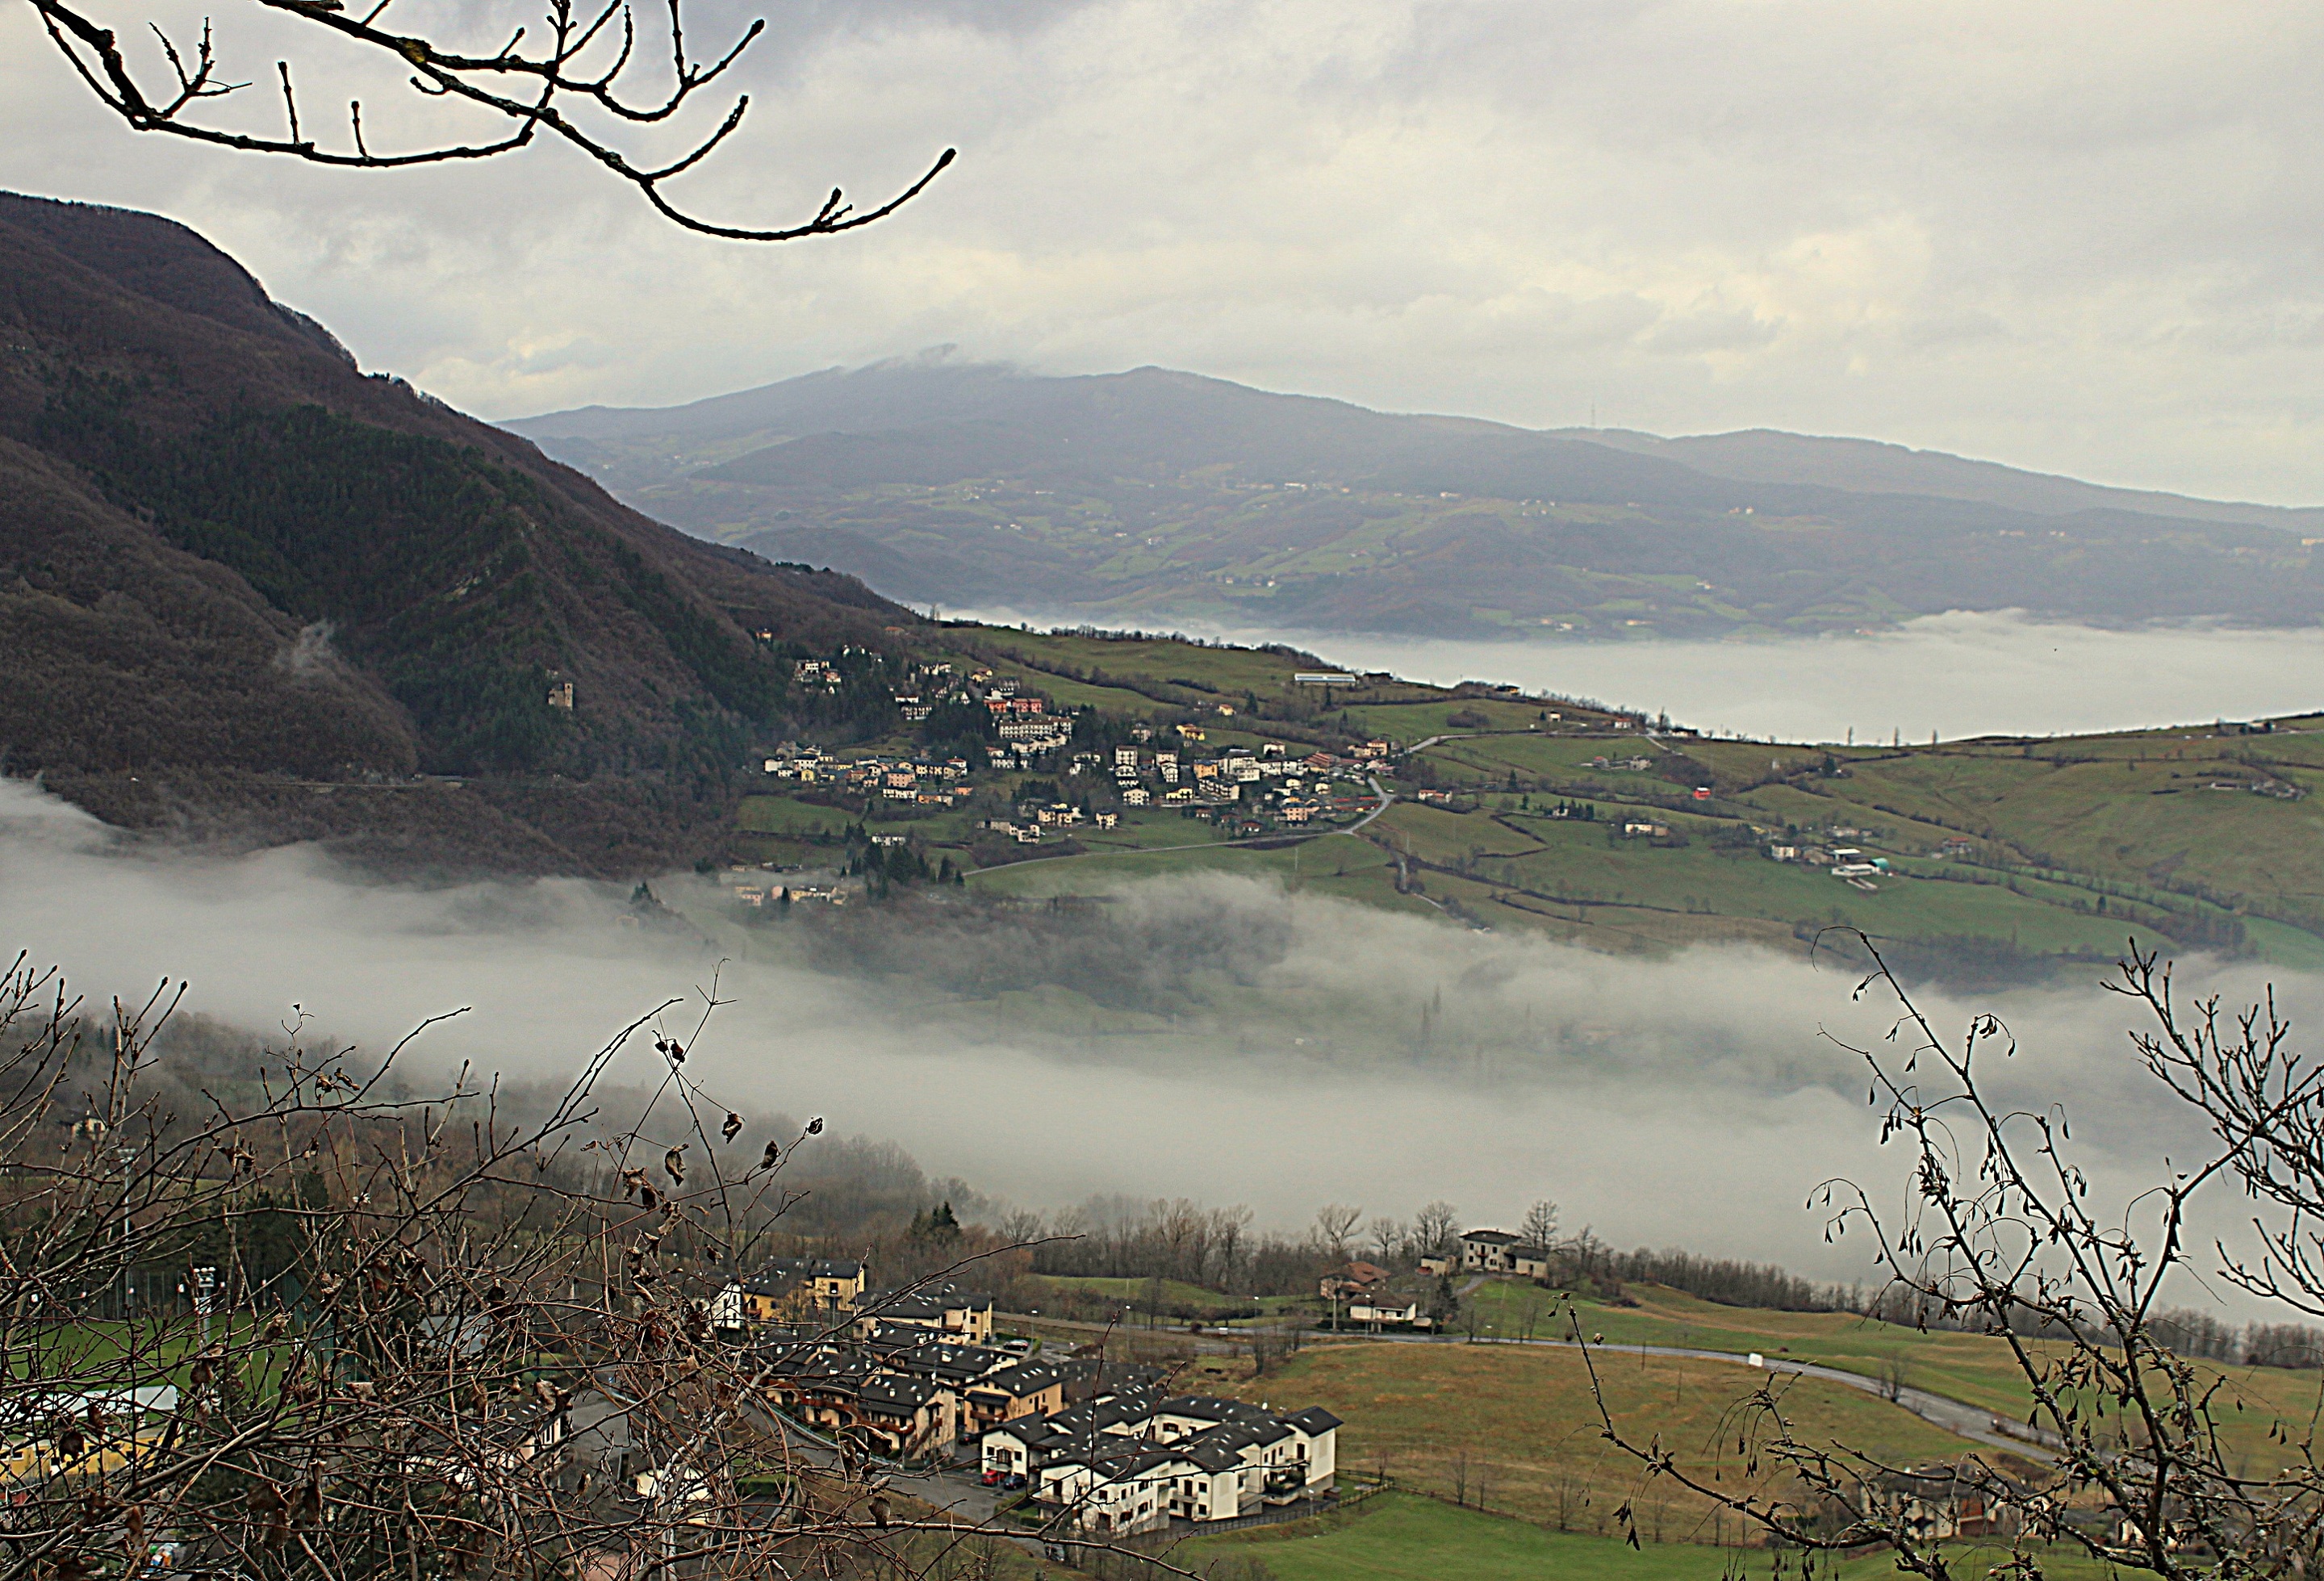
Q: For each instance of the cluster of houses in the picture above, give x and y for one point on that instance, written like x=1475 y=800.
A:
x=1130 y=1459
x=920 y=781
x=810 y=894
x=1160 y=767
x=1291 y=790
x=915 y=1375
x=1848 y=864
x=1033 y=825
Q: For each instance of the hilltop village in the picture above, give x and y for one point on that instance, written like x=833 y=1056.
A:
x=1025 y=765
x=1030 y=770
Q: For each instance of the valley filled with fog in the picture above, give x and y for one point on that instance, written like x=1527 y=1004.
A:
x=1215 y=1039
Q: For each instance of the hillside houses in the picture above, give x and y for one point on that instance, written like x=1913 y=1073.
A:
x=793 y=1290
x=905 y=1395
x=945 y=1308
x=1130 y=1461
x=1020 y=730
x=833 y=1295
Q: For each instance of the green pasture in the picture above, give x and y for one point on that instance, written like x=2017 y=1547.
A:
x=1522 y=1422
x=1975 y=1369
x=1400 y=1536
x=782 y=816
x=1334 y=864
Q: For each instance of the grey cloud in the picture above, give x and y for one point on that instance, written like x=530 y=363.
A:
x=2074 y=237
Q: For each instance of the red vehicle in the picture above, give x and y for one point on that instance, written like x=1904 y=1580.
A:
x=991 y=1479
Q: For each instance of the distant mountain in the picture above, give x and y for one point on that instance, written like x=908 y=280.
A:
x=1872 y=467
x=1153 y=495
x=245 y=588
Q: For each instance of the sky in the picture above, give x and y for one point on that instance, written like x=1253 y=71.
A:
x=2076 y=236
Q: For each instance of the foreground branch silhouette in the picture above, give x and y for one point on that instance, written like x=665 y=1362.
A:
x=587 y=59
x=2000 y=1235
x=292 y=1321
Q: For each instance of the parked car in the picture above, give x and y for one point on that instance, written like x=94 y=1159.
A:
x=991 y=1479
x=1012 y=1482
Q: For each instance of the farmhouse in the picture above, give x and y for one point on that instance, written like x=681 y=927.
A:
x=1938 y=1502
x=1399 y=1307
x=1487 y=1251
x=1351 y=1279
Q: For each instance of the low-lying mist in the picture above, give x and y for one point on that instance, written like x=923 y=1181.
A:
x=1961 y=674
x=1219 y=1040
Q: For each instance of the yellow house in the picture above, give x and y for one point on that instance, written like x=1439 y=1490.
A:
x=948 y=1312
x=796 y=1290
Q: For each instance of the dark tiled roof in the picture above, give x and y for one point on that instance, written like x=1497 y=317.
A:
x=784 y=1274
x=1018 y=1382
x=955 y=1363
x=892 y=1396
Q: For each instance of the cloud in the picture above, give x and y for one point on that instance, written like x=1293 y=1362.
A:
x=2074 y=236
x=1217 y=1038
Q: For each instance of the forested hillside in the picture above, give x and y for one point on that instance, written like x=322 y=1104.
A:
x=246 y=590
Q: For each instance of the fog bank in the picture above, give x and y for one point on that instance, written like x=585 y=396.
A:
x=1959 y=675
x=1246 y=1045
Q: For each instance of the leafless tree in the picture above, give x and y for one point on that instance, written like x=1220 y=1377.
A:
x=583 y=79
x=300 y=1327
x=1335 y=1225
x=1435 y=1225
x=1540 y=1226
x=1892 y=1379
x=2001 y=1232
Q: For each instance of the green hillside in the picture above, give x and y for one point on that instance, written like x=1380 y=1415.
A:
x=1978 y=858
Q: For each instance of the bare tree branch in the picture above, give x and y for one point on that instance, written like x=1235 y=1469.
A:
x=526 y=92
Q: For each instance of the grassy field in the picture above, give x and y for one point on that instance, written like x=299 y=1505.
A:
x=1176 y=1295
x=1519 y=1428
x=1973 y=1368
x=2075 y=844
x=1398 y=1537
x=1341 y=866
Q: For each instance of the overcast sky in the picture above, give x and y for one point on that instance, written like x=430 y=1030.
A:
x=2075 y=237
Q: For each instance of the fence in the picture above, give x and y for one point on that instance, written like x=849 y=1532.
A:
x=1306 y=1510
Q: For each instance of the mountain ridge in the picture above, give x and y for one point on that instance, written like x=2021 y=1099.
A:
x=1736 y=454
x=237 y=572
x=1153 y=495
